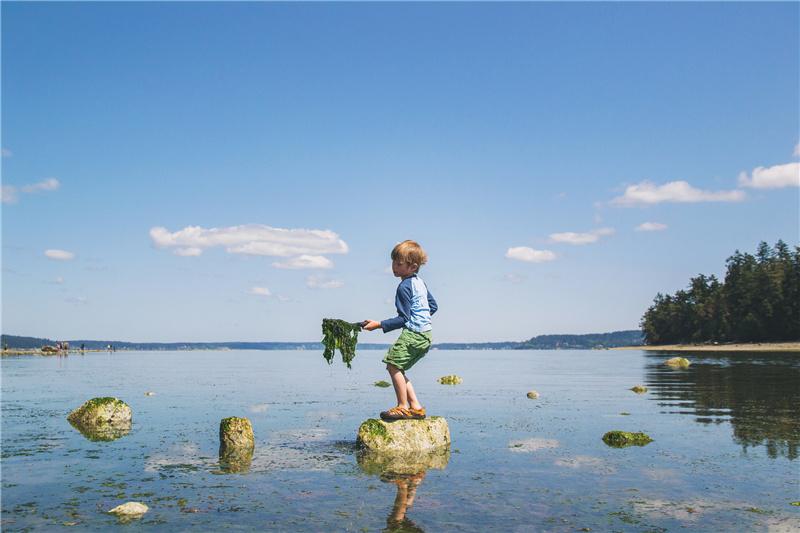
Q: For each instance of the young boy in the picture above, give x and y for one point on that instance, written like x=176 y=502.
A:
x=415 y=305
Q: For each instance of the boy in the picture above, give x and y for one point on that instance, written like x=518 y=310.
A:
x=415 y=305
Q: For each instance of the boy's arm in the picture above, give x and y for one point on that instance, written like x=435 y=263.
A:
x=403 y=303
x=432 y=303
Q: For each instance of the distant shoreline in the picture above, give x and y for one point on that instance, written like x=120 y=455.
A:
x=745 y=347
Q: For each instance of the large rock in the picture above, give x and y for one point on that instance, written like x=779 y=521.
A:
x=102 y=419
x=623 y=439
x=677 y=362
x=235 y=434
x=403 y=435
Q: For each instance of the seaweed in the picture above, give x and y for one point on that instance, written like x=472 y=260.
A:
x=342 y=335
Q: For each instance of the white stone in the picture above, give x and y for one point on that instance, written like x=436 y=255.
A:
x=130 y=508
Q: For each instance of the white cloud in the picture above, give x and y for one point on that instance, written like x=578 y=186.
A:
x=7 y=153
x=320 y=281
x=250 y=239
x=513 y=278
x=50 y=184
x=305 y=262
x=775 y=177
x=259 y=291
x=651 y=226
x=59 y=255
x=282 y=298
x=581 y=238
x=10 y=195
x=188 y=252
x=649 y=193
x=524 y=253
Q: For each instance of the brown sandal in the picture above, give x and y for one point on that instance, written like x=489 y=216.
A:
x=398 y=413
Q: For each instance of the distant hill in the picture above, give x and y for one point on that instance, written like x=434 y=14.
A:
x=542 y=342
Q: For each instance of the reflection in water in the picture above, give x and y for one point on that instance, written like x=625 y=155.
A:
x=233 y=460
x=758 y=393
x=406 y=470
x=102 y=433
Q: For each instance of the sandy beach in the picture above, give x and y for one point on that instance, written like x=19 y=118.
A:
x=755 y=347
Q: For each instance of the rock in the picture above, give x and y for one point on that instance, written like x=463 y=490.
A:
x=130 y=509
x=533 y=394
x=101 y=411
x=382 y=384
x=49 y=350
x=233 y=460
x=450 y=380
x=149 y=393
x=622 y=439
x=639 y=389
x=102 y=419
x=677 y=362
x=403 y=435
x=235 y=433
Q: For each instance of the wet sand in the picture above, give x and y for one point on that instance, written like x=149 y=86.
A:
x=754 y=347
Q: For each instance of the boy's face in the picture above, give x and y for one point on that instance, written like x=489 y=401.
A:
x=403 y=270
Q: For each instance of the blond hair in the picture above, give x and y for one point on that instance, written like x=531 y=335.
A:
x=409 y=252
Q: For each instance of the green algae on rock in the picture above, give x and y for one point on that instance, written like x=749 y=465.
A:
x=102 y=419
x=677 y=362
x=639 y=389
x=623 y=439
x=383 y=384
x=235 y=433
x=342 y=335
x=450 y=380
x=403 y=435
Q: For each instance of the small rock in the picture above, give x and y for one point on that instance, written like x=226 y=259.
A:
x=130 y=509
x=450 y=380
x=678 y=362
x=235 y=432
x=382 y=384
x=639 y=389
x=149 y=393
x=403 y=435
x=533 y=395
x=623 y=439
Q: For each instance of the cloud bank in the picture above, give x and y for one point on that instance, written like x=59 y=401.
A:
x=648 y=193
x=524 y=253
x=11 y=193
x=776 y=177
x=304 y=247
x=580 y=238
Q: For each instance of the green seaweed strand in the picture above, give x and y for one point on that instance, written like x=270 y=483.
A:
x=342 y=335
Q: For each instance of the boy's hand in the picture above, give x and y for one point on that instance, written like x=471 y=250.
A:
x=372 y=324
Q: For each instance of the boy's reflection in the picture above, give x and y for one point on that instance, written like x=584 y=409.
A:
x=406 y=471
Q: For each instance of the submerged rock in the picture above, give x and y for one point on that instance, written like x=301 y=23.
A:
x=639 y=389
x=450 y=380
x=403 y=435
x=130 y=509
x=678 y=362
x=533 y=394
x=235 y=433
x=623 y=439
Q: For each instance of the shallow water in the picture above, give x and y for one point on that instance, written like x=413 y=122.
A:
x=724 y=456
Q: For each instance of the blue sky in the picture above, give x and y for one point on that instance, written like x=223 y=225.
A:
x=239 y=171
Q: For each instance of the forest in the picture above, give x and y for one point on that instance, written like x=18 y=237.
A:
x=758 y=301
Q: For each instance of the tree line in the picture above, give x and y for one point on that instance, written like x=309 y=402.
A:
x=758 y=301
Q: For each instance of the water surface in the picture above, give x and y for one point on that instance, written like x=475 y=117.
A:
x=724 y=456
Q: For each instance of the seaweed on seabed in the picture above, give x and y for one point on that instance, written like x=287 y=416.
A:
x=342 y=335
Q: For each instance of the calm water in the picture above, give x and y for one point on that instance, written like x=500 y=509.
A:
x=724 y=458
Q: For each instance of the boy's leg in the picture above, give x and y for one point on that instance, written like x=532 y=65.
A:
x=403 y=389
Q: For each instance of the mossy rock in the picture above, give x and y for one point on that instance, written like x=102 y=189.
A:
x=49 y=349
x=235 y=433
x=533 y=394
x=677 y=362
x=450 y=380
x=403 y=435
x=639 y=389
x=383 y=384
x=104 y=411
x=623 y=439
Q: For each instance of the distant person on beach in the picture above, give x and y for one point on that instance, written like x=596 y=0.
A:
x=415 y=305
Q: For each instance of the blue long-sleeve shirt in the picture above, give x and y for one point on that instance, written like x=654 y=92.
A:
x=415 y=305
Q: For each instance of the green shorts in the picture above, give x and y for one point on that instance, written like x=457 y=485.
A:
x=409 y=348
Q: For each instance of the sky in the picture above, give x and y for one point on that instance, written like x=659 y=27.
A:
x=238 y=171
